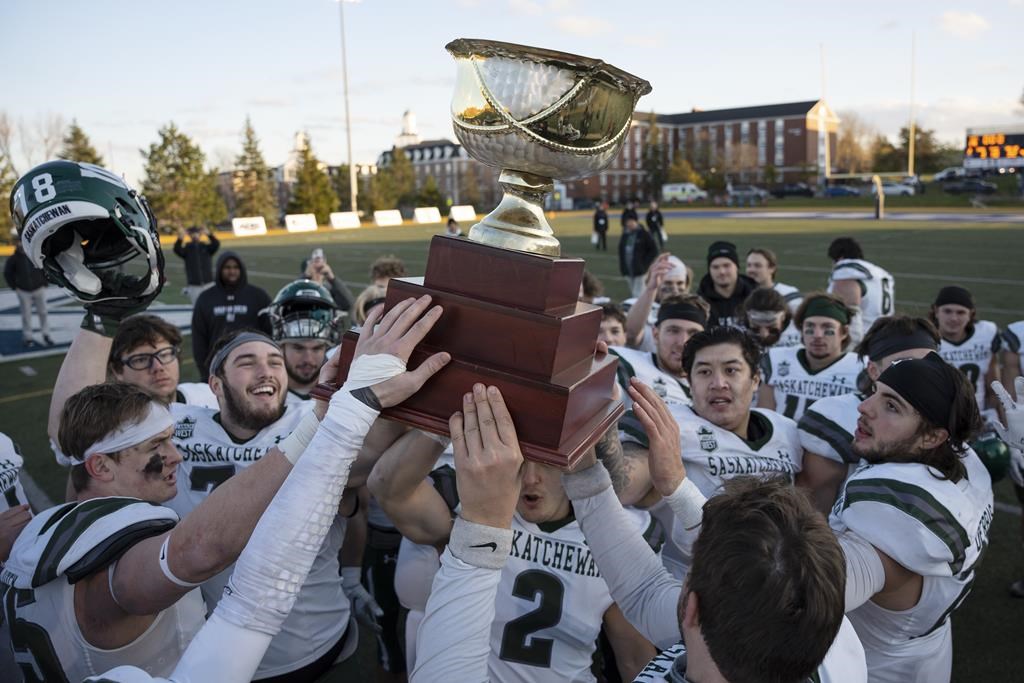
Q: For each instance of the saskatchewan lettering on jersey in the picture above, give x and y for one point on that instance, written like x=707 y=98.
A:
x=722 y=465
x=553 y=553
x=976 y=352
x=209 y=452
x=834 y=385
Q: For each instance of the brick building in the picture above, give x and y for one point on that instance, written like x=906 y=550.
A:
x=747 y=144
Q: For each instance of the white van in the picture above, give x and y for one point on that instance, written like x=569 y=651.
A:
x=685 y=193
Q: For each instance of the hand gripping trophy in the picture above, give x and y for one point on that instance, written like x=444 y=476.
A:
x=511 y=316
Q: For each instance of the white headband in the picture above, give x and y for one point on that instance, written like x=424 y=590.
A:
x=156 y=420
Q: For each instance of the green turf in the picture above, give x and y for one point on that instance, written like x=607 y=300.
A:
x=923 y=256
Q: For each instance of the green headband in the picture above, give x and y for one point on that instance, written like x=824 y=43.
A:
x=826 y=308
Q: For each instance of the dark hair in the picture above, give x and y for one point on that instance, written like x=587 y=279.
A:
x=388 y=266
x=91 y=414
x=764 y=299
x=613 y=311
x=137 y=330
x=769 y=256
x=845 y=247
x=769 y=576
x=934 y=319
x=964 y=424
x=592 y=286
x=895 y=325
x=714 y=336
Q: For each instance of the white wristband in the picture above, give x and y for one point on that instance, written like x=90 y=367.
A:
x=295 y=443
x=687 y=503
x=167 y=570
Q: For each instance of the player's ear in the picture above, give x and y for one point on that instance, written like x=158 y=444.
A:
x=934 y=438
x=873 y=372
x=216 y=385
x=99 y=467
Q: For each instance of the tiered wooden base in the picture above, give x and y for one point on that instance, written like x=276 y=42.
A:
x=511 y=320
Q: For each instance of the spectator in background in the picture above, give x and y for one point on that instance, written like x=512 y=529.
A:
x=452 y=229
x=601 y=226
x=762 y=267
x=613 y=325
x=592 y=290
x=385 y=268
x=197 y=255
x=656 y=225
x=369 y=298
x=319 y=271
x=231 y=304
x=637 y=252
x=29 y=284
x=723 y=287
x=629 y=213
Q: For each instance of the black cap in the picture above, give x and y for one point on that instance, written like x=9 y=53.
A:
x=954 y=295
x=722 y=249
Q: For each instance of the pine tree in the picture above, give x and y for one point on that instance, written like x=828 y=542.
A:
x=180 y=191
x=254 y=183
x=312 y=192
x=469 y=189
x=430 y=195
x=653 y=159
x=7 y=179
x=77 y=146
x=395 y=184
x=343 y=187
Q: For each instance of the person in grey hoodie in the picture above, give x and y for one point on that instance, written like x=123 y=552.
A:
x=231 y=304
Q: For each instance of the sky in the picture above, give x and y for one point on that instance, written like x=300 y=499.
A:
x=124 y=69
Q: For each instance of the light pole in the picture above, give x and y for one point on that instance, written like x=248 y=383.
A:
x=353 y=184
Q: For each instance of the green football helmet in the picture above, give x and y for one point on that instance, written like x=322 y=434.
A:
x=305 y=310
x=994 y=454
x=89 y=232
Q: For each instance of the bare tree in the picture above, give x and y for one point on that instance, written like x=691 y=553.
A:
x=853 y=146
x=6 y=140
x=41 y=138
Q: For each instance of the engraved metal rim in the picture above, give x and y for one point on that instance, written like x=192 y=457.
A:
x=470 y=47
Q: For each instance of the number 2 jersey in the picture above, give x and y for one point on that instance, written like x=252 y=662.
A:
x=209 y=457
x=934 y=527
x=877 y=287
x=973 y=356
x=787 y=373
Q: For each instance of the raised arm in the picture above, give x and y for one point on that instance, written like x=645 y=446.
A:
x=84 y=365
x=636 y=319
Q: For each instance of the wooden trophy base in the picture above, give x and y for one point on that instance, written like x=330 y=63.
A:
x=511 y=320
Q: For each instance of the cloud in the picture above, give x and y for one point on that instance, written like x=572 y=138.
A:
x=963 y=25
x=648 y=41
x=527 y=7
x=890 y=25
x=268 y=102
x=949 y=117
x=586 y=27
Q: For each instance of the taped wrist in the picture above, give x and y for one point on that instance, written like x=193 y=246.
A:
x=687 y=503
x=479 y=545
x=586 y=483
x=373 y=369
x=294 y=445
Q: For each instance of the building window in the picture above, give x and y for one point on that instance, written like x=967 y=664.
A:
x=745 y=133
x=762 y=143
x=713 y=148
x=780 y=143
x=682 y=141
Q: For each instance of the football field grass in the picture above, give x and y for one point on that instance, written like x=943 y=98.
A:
x=923 y=256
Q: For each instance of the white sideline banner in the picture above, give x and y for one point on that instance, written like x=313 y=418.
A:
x=300 y=222
x=344 y=220
x=427 y=214
x=249 y=225
x=464 y=213
x=390 y=217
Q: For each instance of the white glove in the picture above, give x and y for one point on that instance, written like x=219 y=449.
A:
x=366 y=609
x=1017 y=467
x=1013 y=432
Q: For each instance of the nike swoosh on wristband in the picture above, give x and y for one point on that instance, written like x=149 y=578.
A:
x=492 y=545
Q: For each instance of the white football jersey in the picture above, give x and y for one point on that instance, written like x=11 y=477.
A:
x=827 y=428
x=790 y=337
x=877 y=287
x=647 y=343
x=59 y=547
x=644 y=366
x=973 y=356
x=796 y=386
x=196 y=394
x=211 y=456
x=11 y=492
x=791 y=294
x=844 y=662
x=937 y=529
x=1013 y=335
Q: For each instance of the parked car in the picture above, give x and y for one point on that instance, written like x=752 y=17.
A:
x=841 y=191
x=894 y=189
x=951 y=173
x=792 y=190
x=685 y=193
x=746 y=194
x=970 y=186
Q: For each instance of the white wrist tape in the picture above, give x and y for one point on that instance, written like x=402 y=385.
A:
x=439 y=438
x=157 y=419
x=167 y=570
x=687 y=503
x=369 y=370
x=295 y=443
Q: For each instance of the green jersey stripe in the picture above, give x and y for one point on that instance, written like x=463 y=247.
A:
x=831 y=433
x=1012 y=340
x=630 y=424
x=114 y=547
x=917 y=503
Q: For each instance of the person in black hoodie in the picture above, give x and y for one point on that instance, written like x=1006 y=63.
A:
x=723 y=287
x=232 y=303
x=629 y=213
x=197 y=255
x=30 y=285
x=656 y=225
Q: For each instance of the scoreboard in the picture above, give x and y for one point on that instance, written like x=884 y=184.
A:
x=994 y=148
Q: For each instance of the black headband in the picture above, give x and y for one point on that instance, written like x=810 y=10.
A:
x=927 y=384
x=954 y=295
x=894 y=342
x=681 y=311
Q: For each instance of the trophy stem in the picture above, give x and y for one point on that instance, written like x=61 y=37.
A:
x=518 y=221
